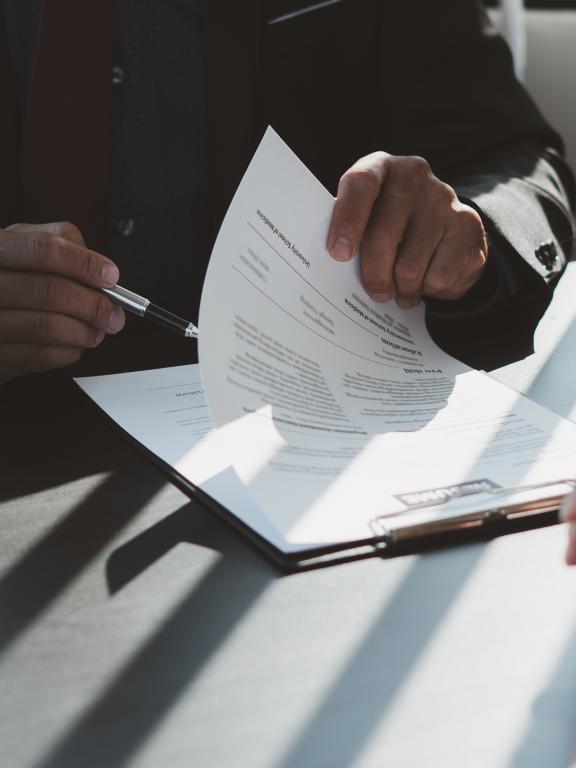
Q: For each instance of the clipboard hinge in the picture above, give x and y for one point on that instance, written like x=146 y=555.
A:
x=494 y=516
x=473 y=511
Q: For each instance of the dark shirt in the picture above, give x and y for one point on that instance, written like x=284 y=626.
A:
x=157 y=202
x=158 y=208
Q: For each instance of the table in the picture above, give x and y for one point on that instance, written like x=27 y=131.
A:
x=137 y=629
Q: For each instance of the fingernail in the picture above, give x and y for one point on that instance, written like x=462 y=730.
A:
x=342 y=249
x=99 y=336
x=110 y=274
x=405 y=303
x=116 y=320
x=382 y=297
x=565 y=507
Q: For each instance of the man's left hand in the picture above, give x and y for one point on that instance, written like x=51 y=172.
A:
x=568 y=515
x=415 y=236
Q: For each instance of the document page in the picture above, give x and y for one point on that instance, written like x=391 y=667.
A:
x=344 y=409
x=165 y=410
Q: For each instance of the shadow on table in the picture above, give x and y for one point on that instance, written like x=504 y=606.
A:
x=122 y=719
x=50 y=565
x=117 y=724
x=374 y=675
x=52 y=435
x=550 y=738
x=367 y=686
x=131 y=559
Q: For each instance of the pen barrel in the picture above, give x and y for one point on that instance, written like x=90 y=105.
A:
x=171 y=321
x=131 y=301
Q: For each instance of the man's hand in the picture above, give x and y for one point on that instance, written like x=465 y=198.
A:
x=416 y=237
x=49 y=310
x=568 y=515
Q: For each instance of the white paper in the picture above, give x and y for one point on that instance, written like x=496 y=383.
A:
x=166 y=411
x=326 y=409
x=343 y=409
x=549 y=375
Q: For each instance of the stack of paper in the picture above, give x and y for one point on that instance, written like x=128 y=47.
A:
x=317 y=411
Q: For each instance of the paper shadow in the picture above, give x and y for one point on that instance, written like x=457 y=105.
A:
x=124 y=717
x=190 y=524
x=316 y=437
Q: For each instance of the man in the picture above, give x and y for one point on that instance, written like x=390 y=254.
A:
x=460 y=195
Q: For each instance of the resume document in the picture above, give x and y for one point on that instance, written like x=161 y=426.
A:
x=314 y=409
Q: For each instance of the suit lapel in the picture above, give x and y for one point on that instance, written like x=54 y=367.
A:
x=231 y=34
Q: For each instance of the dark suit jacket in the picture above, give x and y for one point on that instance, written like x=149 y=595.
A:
x=340 y=80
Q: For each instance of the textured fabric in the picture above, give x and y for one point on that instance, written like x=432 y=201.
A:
x=68 y=116
x=158 y=157
x=158 y=153
x=21 y=20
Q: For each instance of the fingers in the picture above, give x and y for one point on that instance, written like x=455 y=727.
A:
x=405 y=228
x=22 y=359
x=568 y=514
x=571 y=548
x=62 y=229
x=380 y=245
x=358 y=190
x=52 y=293
x=46 y=329
x=460 y=257
x=49 y=310
x=413 y=258
x=415 y=236
x=56 y=249
x=396 y=251
x=31 y=342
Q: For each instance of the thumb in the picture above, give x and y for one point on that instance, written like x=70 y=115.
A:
x=63 y=229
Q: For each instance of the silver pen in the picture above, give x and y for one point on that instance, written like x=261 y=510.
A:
x=142 y=307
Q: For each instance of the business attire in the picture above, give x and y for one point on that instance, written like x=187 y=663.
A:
x=194 y=84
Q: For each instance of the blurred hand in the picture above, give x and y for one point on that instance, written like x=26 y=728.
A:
x=416 y=237
x=49 y=310
x=568 y=514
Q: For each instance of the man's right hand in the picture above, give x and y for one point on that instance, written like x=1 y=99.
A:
x=49 y=310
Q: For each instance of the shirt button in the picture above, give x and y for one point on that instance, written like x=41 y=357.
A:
x=117 y=75
x=126 y=227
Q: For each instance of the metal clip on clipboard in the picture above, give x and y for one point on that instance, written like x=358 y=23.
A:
x=470 y=511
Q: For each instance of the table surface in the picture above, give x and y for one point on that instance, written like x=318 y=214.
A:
x=137 y=629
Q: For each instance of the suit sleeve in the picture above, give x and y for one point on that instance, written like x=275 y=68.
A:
x=10 y=184
x=488 y=140
x=524 y=198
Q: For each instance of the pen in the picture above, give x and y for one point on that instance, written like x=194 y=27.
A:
x=142 y=307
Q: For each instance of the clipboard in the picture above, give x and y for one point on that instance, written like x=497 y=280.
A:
x=474 y=517
x=477 y=517
x=429 y=527
x=474 y=511
x=478 y=512
x=426 y=529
